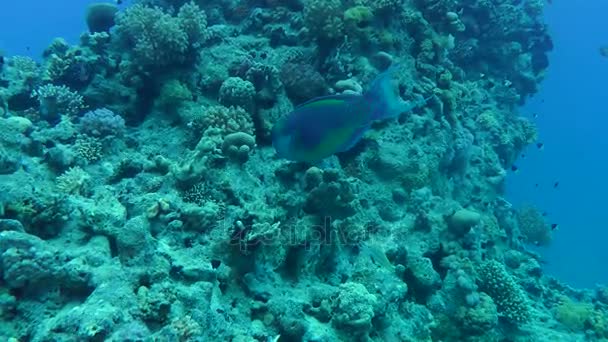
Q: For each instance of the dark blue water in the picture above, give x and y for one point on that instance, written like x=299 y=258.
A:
x=573 y=123
x=27 y=26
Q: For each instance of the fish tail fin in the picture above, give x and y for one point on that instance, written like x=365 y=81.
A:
x=385 y=98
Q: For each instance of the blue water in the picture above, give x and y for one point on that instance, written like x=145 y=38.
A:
x=27 y=26
x=573 y=120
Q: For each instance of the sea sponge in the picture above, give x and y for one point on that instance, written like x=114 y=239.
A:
x=100 y=16
x=509 y=298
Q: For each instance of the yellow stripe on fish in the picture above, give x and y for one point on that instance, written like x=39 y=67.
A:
x=333 y=142
x=322 y=102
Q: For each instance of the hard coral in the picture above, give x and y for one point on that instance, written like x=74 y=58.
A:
x=238 y=145
x=237 y=92
x=158 y=39
x=302 y=82
x=88 y=148
x=57 y=100
x=102 y=123
x=509 y=298
x=354 y=309
x=100 y=17
x=73 y=181
x=228 y=120
x=533 y=227
x=324 y=19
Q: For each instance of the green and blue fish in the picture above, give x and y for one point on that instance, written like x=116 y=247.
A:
x=327 y=125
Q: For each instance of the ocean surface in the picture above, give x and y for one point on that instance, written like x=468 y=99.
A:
x=182 y=195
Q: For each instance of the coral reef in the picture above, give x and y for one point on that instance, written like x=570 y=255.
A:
x=141 y=198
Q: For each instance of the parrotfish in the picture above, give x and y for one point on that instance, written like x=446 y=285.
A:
x=331 y=124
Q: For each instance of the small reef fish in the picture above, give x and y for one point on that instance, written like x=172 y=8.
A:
x=555 y=185
x=554 y=226
x=514 y=168
x=327 y=125
x=540 y=146
x=604 y=51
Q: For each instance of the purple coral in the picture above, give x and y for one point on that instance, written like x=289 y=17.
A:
x=102 y=123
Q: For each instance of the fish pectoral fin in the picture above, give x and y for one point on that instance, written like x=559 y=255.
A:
x=355 y=139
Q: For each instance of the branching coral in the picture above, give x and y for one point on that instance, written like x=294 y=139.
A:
x=507 y=295
x=237 y=92
x=20 y=76
x=73 y=181
x=533 y=227
x=324 y=19
x=228 y=120
x=158 y=39
x=89 y=148
x=57 y=100
x=101 y=123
